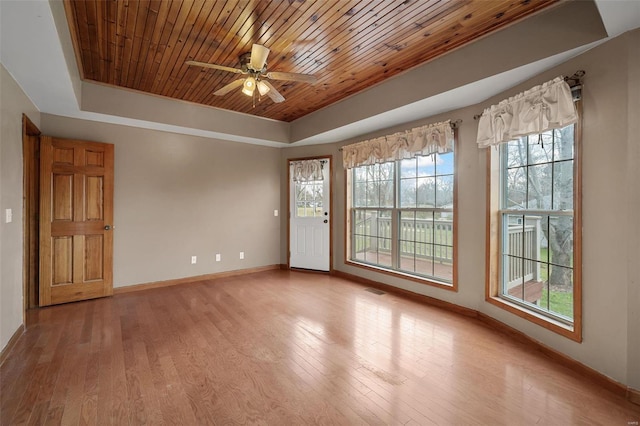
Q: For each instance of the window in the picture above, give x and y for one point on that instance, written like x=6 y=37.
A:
x=536 y=212
x=401 y=216
x=309 y=198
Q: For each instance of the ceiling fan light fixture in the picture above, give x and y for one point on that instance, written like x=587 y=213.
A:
x=249 y=86
x=263 y=88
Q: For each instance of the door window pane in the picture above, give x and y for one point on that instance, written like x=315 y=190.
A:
x=309 y=199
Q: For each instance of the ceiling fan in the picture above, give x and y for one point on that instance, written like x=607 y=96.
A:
x=253 y=65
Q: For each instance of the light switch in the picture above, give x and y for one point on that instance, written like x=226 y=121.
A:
x=194 y=259
x=218 y=258
x=8 y=216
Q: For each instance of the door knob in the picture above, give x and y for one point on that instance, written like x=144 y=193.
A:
x=107 y=227
x=326 y=221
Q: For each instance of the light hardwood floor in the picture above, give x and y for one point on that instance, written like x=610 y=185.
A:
x=285 y=348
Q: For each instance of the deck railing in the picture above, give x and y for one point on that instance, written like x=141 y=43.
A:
x=523 y=242
x=433 y=238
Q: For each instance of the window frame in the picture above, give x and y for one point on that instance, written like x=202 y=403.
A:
x=395 y=219
x=495 y=240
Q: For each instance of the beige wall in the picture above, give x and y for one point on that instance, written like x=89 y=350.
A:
x=611 y=302
x=633 y=209
x=13 y=103
x=178 y=196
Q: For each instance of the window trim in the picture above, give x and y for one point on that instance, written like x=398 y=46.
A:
x=348 y=192
x=494 y=235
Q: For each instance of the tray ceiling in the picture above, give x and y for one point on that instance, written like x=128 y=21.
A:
x=348 y=45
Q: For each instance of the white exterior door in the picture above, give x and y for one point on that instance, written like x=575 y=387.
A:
x=310 y=220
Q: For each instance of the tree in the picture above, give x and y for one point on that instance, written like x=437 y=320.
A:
x=374 y=186
x=309 y=198
x=559 y=232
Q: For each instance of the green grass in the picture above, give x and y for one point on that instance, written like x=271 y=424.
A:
x=560 y=302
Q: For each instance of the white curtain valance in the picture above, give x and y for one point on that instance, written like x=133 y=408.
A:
x=541 y=108
x=306 y=170
x=423 y=140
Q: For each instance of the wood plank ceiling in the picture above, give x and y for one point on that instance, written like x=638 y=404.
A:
x=349 y=45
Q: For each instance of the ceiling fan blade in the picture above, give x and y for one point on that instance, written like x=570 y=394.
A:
x=291 y=76
x=229 y=87
x=215 y=66
x=273 y=93
x=259 y=55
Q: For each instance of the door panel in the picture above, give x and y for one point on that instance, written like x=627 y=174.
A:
x=309 y=222
x=94 y=158
x=94 y=197
x=63 y=196
x=62 y=260
x=63 y=156
x=76 y=205
x=93 y=253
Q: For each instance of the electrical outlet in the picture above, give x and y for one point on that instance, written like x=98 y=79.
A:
x=275 y=213
x=8 y=215
x=241 y=255
x=218 y=257
x=194 y=259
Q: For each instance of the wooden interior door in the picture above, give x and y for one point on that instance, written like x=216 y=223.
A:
x=76 y=216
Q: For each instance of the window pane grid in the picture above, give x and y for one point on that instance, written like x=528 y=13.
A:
x=416 y=235
x=426 y=244
x=309 y=198
x=539 y=171
x=371 y=236
x=537 y=223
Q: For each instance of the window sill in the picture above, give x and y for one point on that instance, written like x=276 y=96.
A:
x=422 y=280
x=568 y=331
